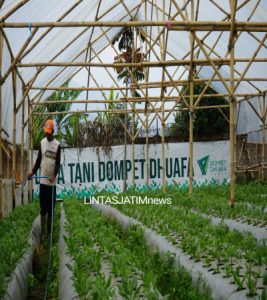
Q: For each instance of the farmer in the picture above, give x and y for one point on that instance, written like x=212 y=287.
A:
x=49 y=161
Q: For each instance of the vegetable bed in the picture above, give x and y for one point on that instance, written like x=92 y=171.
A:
x=251 y=202
x=114 y=263
x=14 y=232
x=237 y=256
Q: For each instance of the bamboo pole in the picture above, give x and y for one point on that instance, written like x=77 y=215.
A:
x=263 y=138
x=22 y=145
x=163 y=125
x=128 y=111
x=153 y=64
x=133 y=111
x=232 y=110
x=1 y=142
x=124 y=188
x=174 y=25
x=150 y=85
x=29 y=154
x=14 y=157
x=191 y=106
x=146 y=106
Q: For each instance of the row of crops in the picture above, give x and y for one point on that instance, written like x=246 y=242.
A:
x=113 y=262
x=14 y=233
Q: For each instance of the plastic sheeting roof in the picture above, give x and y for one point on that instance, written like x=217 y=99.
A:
x=60 y=44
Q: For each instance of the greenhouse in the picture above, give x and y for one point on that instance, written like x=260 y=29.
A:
x=133 y=149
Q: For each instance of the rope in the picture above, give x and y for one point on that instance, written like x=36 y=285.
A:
x=30 y=29
x=168 y=23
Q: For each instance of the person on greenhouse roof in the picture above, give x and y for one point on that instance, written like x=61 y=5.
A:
x=48 y=160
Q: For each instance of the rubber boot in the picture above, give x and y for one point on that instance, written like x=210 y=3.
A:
x=43 y=228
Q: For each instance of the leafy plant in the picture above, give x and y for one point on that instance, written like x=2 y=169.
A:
x=70 y=129
x=14 y=231
x=203 y=118
x=39 y=120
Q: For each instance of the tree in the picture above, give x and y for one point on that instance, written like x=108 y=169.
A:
x=208 y=123
x=39 y=120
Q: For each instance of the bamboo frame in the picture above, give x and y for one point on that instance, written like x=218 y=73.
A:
x=189 y=13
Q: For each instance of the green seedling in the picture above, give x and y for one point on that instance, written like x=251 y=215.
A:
x=102 y=289
x=228 y=270
x=251 y=285
x=129 y=289
x=263 y=295
x=238 y=280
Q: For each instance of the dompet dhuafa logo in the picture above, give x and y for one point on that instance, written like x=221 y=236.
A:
x=203 y=164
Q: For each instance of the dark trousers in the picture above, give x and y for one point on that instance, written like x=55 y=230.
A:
x=47 y=195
